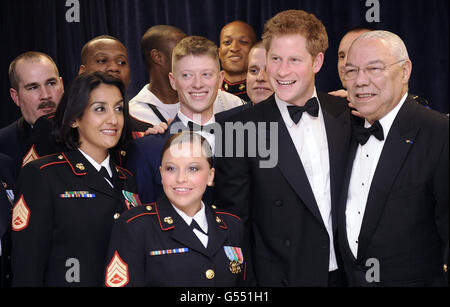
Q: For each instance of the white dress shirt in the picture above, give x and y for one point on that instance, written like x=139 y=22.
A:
x=310 y=140
x=200 y=218
x=97 y=166
x=364 y=166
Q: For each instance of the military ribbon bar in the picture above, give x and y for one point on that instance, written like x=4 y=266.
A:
x=169 y=251
x=77 y=194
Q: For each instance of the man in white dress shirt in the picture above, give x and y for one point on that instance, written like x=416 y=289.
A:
x=290 y=209
x=393 y=217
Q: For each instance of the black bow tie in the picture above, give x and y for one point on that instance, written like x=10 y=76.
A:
x=362 y=134
x=311 y=106
x=196 y=127
x=105 y=173
x=194 y=225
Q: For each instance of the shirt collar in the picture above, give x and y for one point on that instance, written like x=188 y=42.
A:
x=97 y=166
x=199 y=217
x=387 y=120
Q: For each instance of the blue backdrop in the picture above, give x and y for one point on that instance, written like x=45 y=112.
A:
x=42 y=25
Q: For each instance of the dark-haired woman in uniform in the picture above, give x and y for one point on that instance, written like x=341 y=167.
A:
x=179 y=240
x=66 y=203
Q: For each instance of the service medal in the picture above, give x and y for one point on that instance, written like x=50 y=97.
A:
x=236 y=258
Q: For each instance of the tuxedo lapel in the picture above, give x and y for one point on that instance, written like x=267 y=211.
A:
x=344 y=196
x=289 y=161
x=395 y=150
x=338 y=130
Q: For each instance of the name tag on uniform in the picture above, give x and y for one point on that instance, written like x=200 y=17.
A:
x=77 y=194
x=169 y=251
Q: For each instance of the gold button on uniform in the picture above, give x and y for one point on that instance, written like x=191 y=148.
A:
x=445 y=268
x=210 y=274
x=149 y=208
x=116 y=216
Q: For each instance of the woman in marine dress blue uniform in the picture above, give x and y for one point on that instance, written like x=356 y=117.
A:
x=178 y=240
x=65 y=203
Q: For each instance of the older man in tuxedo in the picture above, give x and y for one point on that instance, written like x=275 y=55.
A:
x=394 y=213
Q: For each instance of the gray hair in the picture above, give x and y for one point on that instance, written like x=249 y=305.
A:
x=395 y=43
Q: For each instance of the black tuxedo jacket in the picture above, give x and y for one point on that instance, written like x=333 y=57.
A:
x=405 y=224
x=288 y=239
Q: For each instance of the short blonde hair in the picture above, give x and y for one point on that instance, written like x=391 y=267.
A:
x=293 y=22
x=196 y=46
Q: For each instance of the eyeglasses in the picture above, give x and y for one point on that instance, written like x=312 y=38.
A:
x=372 y=71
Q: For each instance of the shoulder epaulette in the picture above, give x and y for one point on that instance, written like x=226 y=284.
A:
x=52 y=159
x=224 y=213
x=139 y=211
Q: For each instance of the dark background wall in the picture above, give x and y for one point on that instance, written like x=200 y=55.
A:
x=41 y=25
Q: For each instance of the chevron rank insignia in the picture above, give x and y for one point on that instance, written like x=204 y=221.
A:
x=131 y=199
x=30 y=156
x=116 y=272
x=20 y=215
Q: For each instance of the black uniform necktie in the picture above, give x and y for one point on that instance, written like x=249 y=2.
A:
x=105 y=173
x=362 y=134
x=194 y=225
x=311 y=106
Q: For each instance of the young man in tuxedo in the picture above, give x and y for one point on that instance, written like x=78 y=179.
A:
x=289 y=209
x=393 y=219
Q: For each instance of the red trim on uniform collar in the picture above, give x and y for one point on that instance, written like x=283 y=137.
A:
x=159 y=219
x=73 y=169
x=232 y=84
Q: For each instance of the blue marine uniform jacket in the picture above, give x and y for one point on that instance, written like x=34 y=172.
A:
x=62 y=220
x=151 y=245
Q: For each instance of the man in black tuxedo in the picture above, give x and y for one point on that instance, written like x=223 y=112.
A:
x=393 y=219
x=288 y=201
